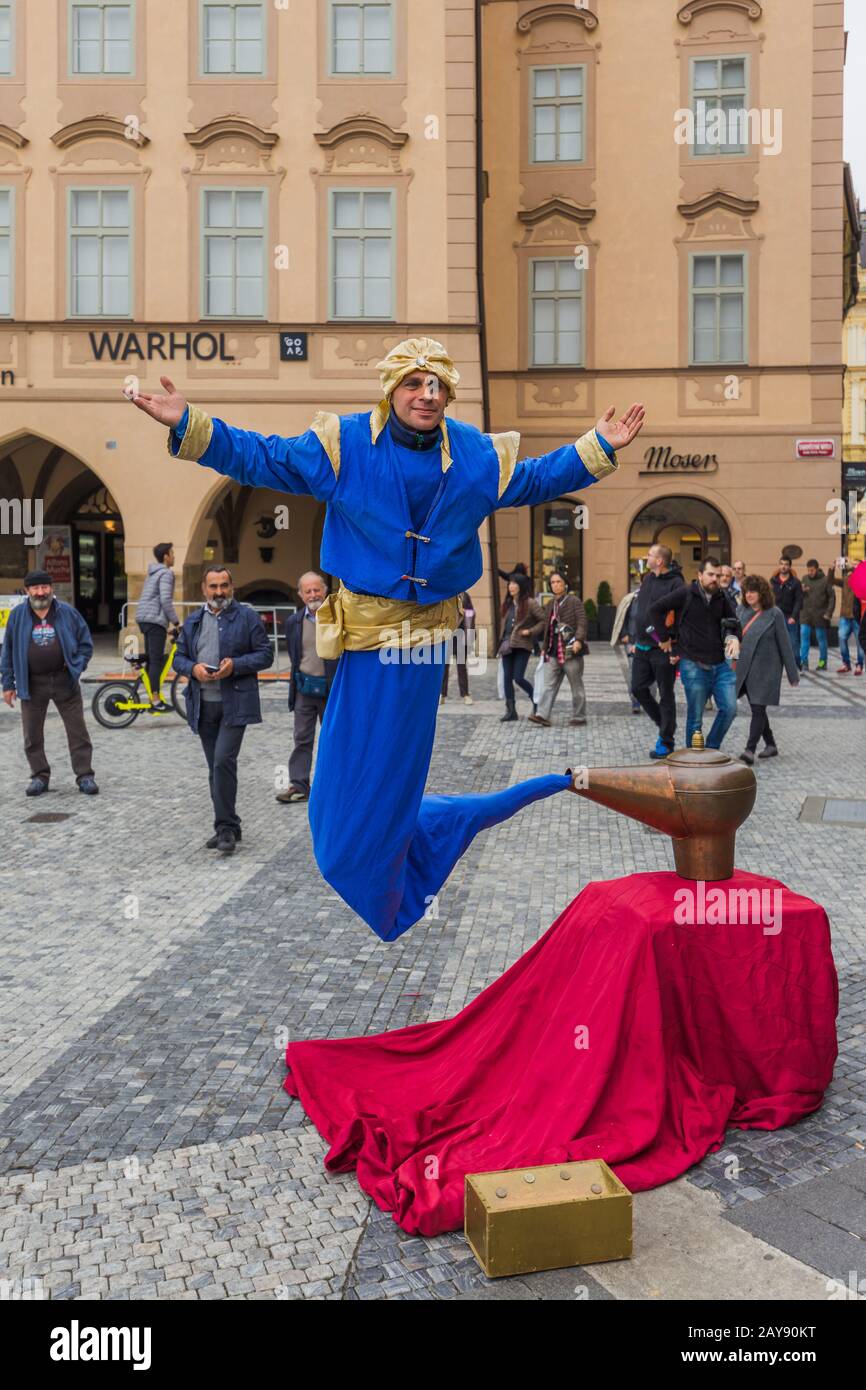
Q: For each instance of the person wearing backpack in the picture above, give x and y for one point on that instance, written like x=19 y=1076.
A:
x=705 y=620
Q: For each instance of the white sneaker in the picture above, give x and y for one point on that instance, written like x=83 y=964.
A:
x=468 y=700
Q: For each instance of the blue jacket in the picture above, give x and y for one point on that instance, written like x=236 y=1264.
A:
x=72 y=633
x=243 y=638
x=369 y=540
x=294 y=642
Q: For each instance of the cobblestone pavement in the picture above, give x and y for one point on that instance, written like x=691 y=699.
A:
x=149 y=988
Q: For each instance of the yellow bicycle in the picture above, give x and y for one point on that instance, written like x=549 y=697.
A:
x=117 y=704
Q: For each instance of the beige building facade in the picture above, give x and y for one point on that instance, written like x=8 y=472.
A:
x=637 y=247
x=256 y=200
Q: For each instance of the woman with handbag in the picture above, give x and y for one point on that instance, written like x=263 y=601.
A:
x=564 y=647
x=764 y=649
x=522 y=622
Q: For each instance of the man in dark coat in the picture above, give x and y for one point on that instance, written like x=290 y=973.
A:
x=310 y=684
x=221 y=648
x=819 y=600
x=42 y=659
x=788 y=596
x=650 y=664
x=705 y=619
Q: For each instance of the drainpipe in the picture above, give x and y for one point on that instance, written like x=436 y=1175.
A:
x=480 y=194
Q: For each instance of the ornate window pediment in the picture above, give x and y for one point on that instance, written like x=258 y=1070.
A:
x=362 y=139
x=752 y=9
x=586 y=17
x=232 y=139
x=13 y=138
x=556 y=207
x=718 y=200
x=99 y=128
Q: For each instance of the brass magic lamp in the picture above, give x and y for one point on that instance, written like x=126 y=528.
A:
x=699 y=796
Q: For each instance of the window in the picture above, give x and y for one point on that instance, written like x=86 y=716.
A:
x=362 y=250
x=361 y=40
x=6 y=205
x=233 y=38
x=719 y=86
x=718 y=312
x=556 y=313
x=101 y=39
x=234 y=253
x=557 y=115
x=7 y=41
x=100 y=260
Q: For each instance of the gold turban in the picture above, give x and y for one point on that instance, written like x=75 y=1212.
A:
x=413 y=354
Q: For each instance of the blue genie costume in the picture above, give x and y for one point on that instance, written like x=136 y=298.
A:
x=401 y=532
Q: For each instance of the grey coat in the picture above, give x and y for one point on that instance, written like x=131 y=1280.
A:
x=156 y=604
x=764 y=650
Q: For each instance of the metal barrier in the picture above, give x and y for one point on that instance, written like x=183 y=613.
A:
x=267 y=612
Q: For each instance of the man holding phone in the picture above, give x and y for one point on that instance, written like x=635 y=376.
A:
x=221 y=648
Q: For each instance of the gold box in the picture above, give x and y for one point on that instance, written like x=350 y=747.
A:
x=551 y=1217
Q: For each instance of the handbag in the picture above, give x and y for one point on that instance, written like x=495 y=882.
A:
x=314 y=686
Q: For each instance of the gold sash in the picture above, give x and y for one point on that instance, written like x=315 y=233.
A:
x=358 y=623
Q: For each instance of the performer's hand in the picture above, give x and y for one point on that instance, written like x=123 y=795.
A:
x=625 y=430
x=9 y=697
x=168 y=409
x=226 y=668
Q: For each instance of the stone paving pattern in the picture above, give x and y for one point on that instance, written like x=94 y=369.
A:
x=147 y=1147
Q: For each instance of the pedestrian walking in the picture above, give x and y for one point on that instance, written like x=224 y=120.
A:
x=460 y=645
x=624 y=632
x=651 y=665
x=523 y=622
x=819 y=600
x=705 y=622
x=155 y=614
x=788 y=597
x=221 y=648
x=850 y=615
x=765 y=650
x=45 y=653
x=729 y=583
x=563 y=649
x=311 y=680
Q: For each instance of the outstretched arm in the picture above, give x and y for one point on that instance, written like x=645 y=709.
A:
x=302 y=464
x=575 y=465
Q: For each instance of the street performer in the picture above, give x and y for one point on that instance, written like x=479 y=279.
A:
x=406 y=491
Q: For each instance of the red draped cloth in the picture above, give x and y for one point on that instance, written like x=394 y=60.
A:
x=625 y=1033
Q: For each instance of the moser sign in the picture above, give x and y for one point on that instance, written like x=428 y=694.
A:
x=142 y=347
x=661 y=459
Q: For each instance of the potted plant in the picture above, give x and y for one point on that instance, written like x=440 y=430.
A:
x=606 y=611
x=591 y=620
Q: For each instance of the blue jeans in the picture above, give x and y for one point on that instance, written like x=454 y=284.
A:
x=849 y=627
x=698 y=684
x=805 y=642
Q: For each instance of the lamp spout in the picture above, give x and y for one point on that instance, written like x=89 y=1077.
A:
x=699 y=797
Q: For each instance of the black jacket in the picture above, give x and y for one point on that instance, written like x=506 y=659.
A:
x=788 y=596
x=294 y=642
x=654 y=588
x=697 y=629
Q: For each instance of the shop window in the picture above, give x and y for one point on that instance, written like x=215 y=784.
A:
x=557 y=121
x=362 y=39
x=100 y=260
x=718 y=308
x=232 y=38
x=233 y=254
x=362 y=253
x=101 y=39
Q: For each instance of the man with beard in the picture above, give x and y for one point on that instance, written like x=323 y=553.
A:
x=312 y=677
x=221 y=648
x=47 y=648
